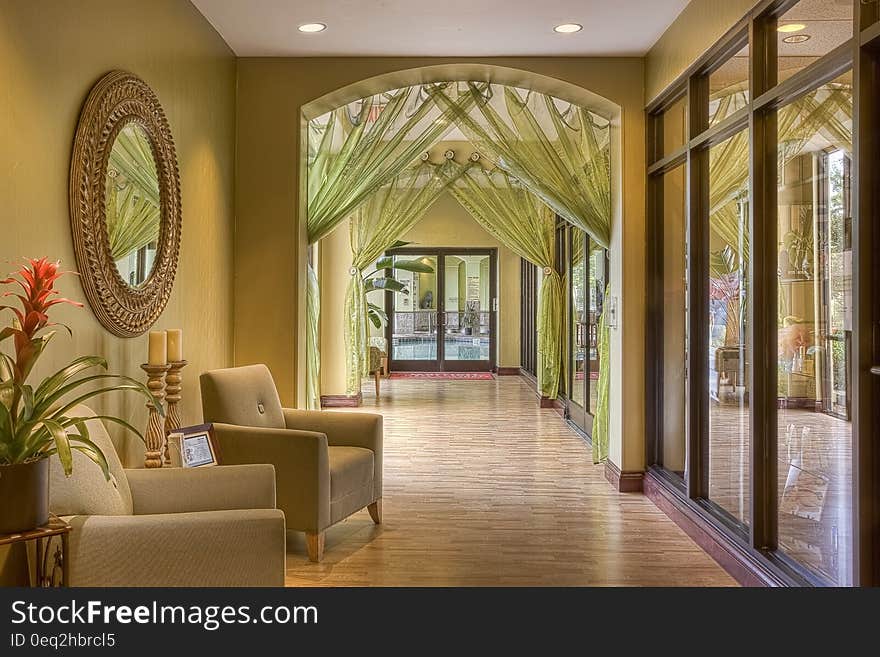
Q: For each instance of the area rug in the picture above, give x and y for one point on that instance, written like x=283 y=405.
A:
x=458 y=376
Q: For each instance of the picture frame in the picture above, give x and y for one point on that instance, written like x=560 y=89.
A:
x=194 y=447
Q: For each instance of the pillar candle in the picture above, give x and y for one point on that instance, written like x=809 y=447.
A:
x=175 y=345
x=158 y=348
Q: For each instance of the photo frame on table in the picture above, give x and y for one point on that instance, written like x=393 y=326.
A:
x=193 y=447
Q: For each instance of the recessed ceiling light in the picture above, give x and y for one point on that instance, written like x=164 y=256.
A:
x=791 y=27
x=311 y=28
x=568 y=28
x=796 y=38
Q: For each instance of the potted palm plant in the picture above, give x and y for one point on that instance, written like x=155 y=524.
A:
x=35 y=418
x=386 y=267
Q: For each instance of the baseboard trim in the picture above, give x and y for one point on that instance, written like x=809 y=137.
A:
x=739 y=562
x=623 y=482
x=341 y=401
x=508 y=371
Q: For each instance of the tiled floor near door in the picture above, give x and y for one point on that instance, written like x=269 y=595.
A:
x=484 y=488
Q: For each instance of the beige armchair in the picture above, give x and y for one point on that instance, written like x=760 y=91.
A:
x=215 y=526
x=328 y=465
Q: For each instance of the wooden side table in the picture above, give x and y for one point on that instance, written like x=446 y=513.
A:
x=52 y=565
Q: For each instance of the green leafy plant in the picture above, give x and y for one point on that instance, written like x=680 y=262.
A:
x=34 y=421
x=382 y=278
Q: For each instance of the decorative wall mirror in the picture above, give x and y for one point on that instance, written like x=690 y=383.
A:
x=125 y=204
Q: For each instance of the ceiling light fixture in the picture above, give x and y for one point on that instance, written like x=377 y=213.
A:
x=790 y=27
x=796 y=38
x=312 y=28
x=568 y=28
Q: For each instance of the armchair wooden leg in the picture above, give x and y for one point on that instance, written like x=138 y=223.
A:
x=377 y=374
x=316 y=546
x=375 y=510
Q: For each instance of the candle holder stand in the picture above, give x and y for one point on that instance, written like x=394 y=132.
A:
x=172 y=396
x=155 y=437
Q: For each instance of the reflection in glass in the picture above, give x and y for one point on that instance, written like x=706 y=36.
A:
x=729 y=87
x=815 y=330
x=414 y=325
x=467 y=307
x=597 y=299
x=809 y=30
x=729 y=359
x=131 y=204
x=673 y=454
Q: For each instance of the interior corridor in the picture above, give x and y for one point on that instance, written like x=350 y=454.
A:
x=483 y=488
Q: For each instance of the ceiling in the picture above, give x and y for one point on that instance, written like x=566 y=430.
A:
x=428 y=28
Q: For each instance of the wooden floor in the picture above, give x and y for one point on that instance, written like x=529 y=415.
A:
x=483 y=488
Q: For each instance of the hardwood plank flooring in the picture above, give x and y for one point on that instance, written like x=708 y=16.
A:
x=484 y=488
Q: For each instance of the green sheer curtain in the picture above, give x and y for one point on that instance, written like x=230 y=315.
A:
x=381 y=221
x=558 y=151
x=353 y=151
x=525 y=225
x=132 y=203
x=313 y=341
x=600 y=422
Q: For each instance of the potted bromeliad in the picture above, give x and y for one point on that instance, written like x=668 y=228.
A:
x=35 y=418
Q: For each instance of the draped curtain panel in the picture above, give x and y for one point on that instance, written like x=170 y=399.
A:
x=600 y=422
x=353 y=151
x=527 y=226
x=558 y=151
x=380 y=222
x=132 y=205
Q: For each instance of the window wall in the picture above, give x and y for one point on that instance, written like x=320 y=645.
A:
x=762 y=404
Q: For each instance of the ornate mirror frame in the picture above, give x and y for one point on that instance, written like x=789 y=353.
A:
x=117 y=99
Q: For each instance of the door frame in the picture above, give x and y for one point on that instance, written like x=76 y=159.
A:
x=441 y=364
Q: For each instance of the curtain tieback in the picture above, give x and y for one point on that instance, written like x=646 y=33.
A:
x=548 y=271
x=353 y=271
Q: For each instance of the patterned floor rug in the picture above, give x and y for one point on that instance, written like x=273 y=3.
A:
x=458 y=376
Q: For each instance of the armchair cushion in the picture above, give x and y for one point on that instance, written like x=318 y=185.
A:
x=181 y=490
x=241 y=395
x=87 y=491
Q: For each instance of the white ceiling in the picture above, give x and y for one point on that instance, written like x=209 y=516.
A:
x=428 y=28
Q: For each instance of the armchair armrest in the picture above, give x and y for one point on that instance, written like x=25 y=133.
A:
x=210 y=548
x=301 y=463
x=344 y=429
x=180 y=490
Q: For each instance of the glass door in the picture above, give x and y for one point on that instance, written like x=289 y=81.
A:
x=444 y=320
x=587 y=276
x=413 y=317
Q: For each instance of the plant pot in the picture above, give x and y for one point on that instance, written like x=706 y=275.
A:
x=24 y=491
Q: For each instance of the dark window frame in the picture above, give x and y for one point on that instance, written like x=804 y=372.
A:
x=861 y=54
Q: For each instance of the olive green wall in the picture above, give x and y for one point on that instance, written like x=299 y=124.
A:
x=696 y=29
x=51 y=53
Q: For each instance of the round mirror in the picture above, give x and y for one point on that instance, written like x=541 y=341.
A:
x=131 y=204
x=125 y=214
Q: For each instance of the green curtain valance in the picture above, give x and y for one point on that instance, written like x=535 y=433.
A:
x=559 y=152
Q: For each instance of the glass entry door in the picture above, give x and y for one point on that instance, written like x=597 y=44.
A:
x=444 y=320
x=587 y=277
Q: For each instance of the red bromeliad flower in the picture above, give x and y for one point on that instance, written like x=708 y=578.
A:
x=37 y=281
